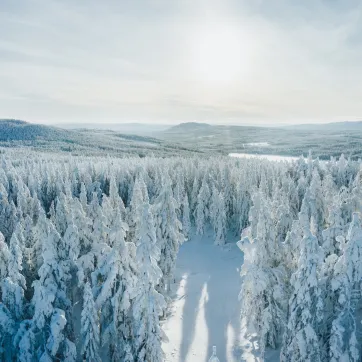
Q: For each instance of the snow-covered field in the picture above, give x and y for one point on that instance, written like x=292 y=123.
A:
x=205 y=311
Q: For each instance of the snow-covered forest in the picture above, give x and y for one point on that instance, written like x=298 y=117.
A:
x=88 y=249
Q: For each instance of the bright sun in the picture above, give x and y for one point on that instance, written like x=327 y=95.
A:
x=217 y=53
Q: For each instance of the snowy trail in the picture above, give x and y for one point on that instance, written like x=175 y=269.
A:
x=205 y=311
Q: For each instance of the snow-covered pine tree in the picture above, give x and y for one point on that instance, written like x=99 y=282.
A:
x=302 y=340
x=139 y=196
x=7 y=309
x=93 y=244
x=83 y=196
x=220 y=220
x=335 y=229
x=186 y=223
x=114 y=283
x=89 y=327
x=201 y=213
x=263 y=292
x=346 y=283
x=50 y=293
x=169 y=235
x=4 y=258
x=148 y=304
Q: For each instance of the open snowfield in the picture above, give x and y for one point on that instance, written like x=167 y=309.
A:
x=205 y=311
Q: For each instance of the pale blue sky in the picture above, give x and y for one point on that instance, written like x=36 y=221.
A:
x=230 y=61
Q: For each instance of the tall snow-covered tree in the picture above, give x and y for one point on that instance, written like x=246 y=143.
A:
x=201 y=212
x=169 y=235
x=263 y=291
x=220 y=219
x=89 y=327
x=302 y=334
x=186 y=223
x=50 y=298
x=148 y=304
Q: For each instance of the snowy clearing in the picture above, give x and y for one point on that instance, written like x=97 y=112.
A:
x=205 y=311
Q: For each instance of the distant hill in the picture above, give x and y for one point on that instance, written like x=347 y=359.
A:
x=16 y=130
x=16 y=133
x=324 y=140
x=190 y=127
x=145 y=129
x=333 y=126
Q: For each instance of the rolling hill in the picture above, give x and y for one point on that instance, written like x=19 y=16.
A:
x=16 y=133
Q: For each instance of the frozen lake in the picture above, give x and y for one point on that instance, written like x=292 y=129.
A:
x=267 y=157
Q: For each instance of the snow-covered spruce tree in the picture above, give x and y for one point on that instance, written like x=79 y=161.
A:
x=179 y=190
x=263 y=277
x=345 y=294
x=148 y=304
x=316 y=204
x=186 y=223
x=92 y=244
x=115 y=200
x=213 y=204
x=169 y=235
x=302 y=336
x=293 y=241
x=353 y=257
x=343 y=343
x=220 y=220
x=346 y=283
x=254 y=213
x=4 y=258
x=8 y=216
x=14 y=285
x=193 y=195
x=83 y=196
x=89 y=327
x=335 y=229
x=201 y=213
x=7 y=322
x=139 y=196
x=50 y=299
x=114 y=284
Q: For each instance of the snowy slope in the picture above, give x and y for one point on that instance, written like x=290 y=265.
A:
x=206 y=310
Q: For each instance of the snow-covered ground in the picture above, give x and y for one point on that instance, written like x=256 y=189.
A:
x=205 y=311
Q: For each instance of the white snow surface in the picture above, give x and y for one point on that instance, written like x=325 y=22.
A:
x=205 y=310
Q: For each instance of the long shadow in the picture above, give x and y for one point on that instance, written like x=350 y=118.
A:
x=222 y=314
x=193 y=290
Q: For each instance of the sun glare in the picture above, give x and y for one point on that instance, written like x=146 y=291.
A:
x=218 y=53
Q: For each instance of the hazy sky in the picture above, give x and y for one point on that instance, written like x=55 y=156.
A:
x=230 y=61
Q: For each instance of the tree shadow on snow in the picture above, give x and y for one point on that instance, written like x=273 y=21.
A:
x=222 y=317
x=211 y=292
x=193 y=291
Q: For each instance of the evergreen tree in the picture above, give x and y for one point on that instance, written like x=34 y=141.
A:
x=169 y=235
x=201 y=213
x=302 y=334
x=186 y=223
x=148 y=304
x=90 y=327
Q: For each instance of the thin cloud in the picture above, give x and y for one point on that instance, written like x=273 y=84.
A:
x=298 y=60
